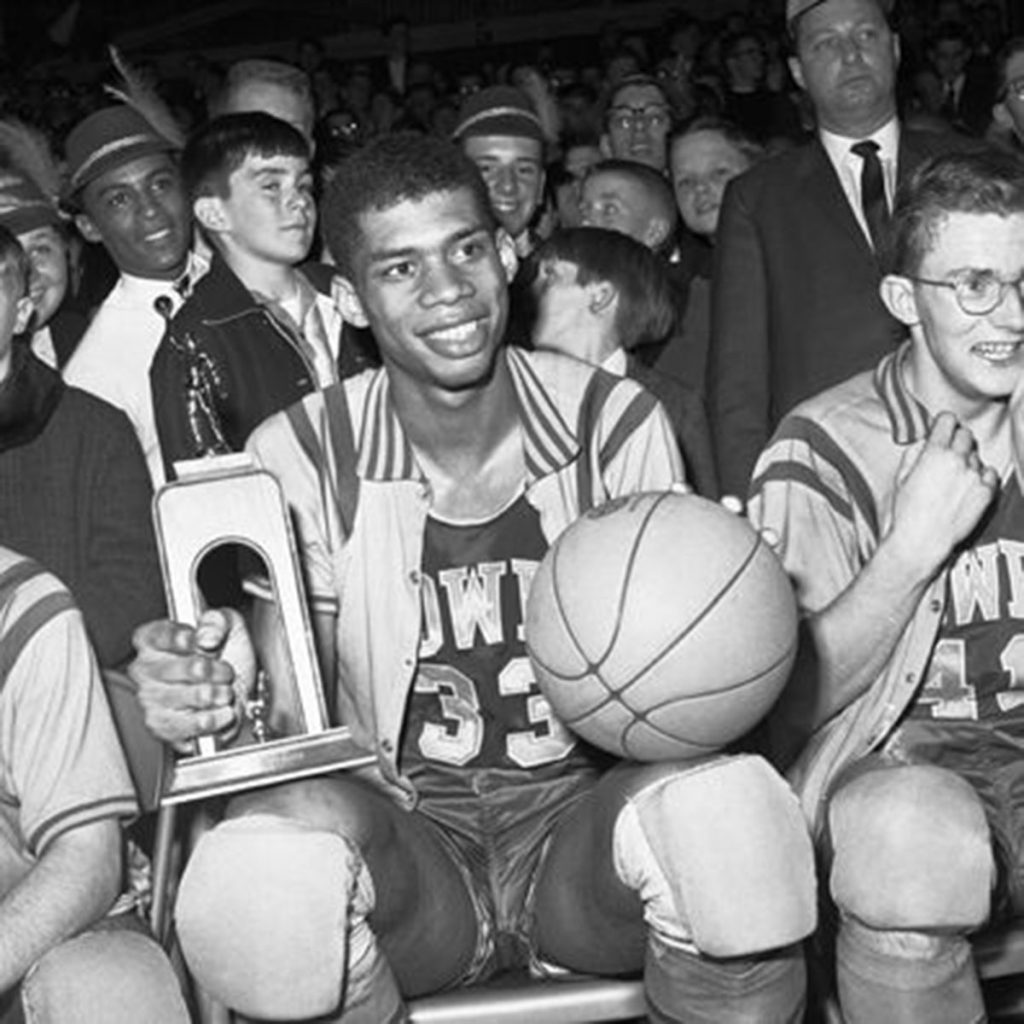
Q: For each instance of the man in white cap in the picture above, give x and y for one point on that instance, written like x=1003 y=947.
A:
x=126 y=193
x=795 y=305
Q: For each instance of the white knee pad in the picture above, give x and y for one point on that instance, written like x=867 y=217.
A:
x=265 y=913
x=721 y=857
x=911 y=850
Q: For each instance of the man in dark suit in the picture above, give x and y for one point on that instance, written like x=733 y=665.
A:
x=795 y=304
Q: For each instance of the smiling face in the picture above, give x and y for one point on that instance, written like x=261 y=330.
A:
x=961 y=362
x=269 y=213
x=430 y=279
x=702 y=165
x=139 y=212
x=846 y=61
x=48 y=256
x=512 y=167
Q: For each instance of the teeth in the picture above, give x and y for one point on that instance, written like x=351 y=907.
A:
x=996 y=350
x=461 y=332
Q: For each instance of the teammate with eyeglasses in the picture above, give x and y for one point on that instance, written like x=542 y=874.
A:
x=897 y=497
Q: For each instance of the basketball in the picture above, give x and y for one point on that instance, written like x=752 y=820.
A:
x=661 y=626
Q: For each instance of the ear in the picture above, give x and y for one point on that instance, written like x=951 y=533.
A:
x=797 y=71
x=23 y=313
x=898 y=295
x=897 y=52
x=210 y=214
x=602 y=298
x=348 y=302
x=1001 y=116
x=657 y=231
x=87 y=228
x=605 y=145
x=506 y=253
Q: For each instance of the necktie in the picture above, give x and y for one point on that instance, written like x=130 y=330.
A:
x=872 y=191
x=948 y=108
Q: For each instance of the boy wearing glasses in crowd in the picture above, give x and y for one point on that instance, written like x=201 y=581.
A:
x=638 y=122
x=1008 y=113
x=897 y=499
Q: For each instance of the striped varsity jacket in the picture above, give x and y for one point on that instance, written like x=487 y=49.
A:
x=61 y=765
x=825 y=484
x=360 y=503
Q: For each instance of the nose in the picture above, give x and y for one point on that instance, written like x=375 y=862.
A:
x=1010 y=312
x=850 y=49
x=504 y=181
x=444 y=284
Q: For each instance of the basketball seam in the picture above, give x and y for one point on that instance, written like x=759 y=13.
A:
x=644 y=716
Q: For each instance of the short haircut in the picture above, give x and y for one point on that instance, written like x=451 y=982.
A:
x=950 y=31
x=389 y=170
x=1010 y=50
x=655 y=186
x=729 y=131
x=214 y=152
x=647 y=310
x=981 y=182
x=637 y=80
x=14 y=264
x=270 y=72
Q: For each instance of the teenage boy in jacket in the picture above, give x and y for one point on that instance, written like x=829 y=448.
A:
x=258 y=333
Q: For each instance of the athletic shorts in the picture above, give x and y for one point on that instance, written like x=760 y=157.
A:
x=495 y=823
x=990 y=756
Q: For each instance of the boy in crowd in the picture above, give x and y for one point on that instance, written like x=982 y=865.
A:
x=125 y=189
x=257 y=333
x=896 y=497
x=1008 y=112
x=68 y=949
x=630 y=197
x=484 y=834
x=638 y=122
x=601 y=295
x=29 y=197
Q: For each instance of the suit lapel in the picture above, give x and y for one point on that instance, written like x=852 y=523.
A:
x=822 y=187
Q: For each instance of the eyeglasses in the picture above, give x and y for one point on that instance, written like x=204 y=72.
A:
x=1014 y=88
x=977 y=291
x=626 y=118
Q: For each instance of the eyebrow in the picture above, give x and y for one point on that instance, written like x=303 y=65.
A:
x=386 y=255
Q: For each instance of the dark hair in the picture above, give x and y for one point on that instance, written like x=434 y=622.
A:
x=638 y=79
x=951 y=31
x=14 y=264
x=1009 y=50
x=389 y=170
x=654 y=184
x=984 y=181
x=221 y=146
x=647 y=310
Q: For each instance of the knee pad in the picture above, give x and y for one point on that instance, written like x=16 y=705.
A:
x=109 y=975
x=911 y=850
x=721 y=857
x=263 y=914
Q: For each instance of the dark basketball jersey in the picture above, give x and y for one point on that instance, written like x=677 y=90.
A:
x=977 y=667
x=475 y=703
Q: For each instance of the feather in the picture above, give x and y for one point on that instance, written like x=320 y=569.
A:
x=140 y=95
x=26 y=151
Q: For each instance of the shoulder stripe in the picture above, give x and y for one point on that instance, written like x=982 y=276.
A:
x=122 y=805
x=27 y=624
x=640 y=409
x=797 y=473
x=599 y=387
x=15 y=575
x=798 y=428
x=343 y=446
x=302 y=428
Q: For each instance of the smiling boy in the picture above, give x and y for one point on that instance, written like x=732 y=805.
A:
x=257 y=333
x=125 y=189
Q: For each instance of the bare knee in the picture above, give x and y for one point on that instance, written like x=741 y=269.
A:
x=912 y=851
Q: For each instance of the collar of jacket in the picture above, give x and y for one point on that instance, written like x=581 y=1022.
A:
x=220 y=294
x=28 y=397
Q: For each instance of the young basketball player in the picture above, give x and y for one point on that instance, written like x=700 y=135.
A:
x=486 y=835
x=897 y=499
